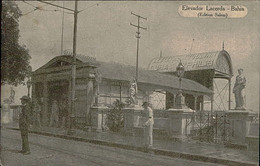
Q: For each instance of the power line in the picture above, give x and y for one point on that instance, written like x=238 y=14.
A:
x=35 y=7
x=29 y=4
x=62 y=29
x=138 y=37
x=91 y=6
x=48 y=3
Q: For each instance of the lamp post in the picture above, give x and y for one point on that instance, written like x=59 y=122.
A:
x=180 y=100
x=29 y=84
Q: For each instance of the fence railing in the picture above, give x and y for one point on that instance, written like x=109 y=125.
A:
x=209 y=126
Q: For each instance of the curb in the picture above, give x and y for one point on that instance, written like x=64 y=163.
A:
x=154 y=151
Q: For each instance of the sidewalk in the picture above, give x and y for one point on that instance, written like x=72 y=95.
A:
x=189 y=150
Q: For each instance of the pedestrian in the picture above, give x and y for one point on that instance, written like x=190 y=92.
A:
x=37 y=114
x=54 y=114
x=148 y=125
x=24 y=123
x=63 y=110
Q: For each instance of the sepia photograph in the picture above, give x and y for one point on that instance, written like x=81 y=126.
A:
x=142 y=83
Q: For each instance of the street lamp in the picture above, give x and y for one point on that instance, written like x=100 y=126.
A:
x=180 y=100
x=29 y=84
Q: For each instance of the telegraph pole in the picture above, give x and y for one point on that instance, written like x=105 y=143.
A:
x=73 y=82
x=62 y=29
x=138 y=37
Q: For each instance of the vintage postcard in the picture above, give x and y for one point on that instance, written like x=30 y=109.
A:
x=129 y=83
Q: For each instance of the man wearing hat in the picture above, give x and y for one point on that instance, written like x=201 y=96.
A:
x=148 y=125
x=24 y=122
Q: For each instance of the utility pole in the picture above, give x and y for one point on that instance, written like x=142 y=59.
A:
x=62 y=29
x=138 y=37
x=73 y=80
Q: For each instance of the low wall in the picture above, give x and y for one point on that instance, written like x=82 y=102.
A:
x=99 y=118
x=173 y=122
x=159 y=123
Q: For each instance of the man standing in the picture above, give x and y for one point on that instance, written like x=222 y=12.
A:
x=24 y=122
x=54 y=114
x=148 y=125
x=37 y=114
x=63 y=113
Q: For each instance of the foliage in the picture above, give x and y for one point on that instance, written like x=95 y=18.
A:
x=15 y=58
x=116 y=117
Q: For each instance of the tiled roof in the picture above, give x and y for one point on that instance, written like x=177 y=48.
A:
x=116 y=71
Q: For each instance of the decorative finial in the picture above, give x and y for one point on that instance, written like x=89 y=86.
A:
x=160 y=53
x=223 y=46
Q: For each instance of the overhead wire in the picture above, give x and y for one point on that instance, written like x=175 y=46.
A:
x=55 y=10
x=29 y=4
x=41 y=8
x=91 y=6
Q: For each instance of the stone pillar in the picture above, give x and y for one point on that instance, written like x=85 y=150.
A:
x=45 y=103
x=33 y=91
x=131 y=117
x=90 y=100
x=239 y=125
x=99 y=118
x=178 y=122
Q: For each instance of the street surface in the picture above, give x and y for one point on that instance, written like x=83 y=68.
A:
x=51 y=151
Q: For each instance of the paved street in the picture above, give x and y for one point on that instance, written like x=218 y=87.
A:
x=59 y=152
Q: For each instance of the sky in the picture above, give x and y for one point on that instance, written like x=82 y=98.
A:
x=104 y=32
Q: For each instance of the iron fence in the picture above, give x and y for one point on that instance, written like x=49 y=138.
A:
x=209 y=126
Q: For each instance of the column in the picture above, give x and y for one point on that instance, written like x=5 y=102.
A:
x=202 y=103
x=174 y=100
x=33 y=91
x=45 y=103
x=90 y=100
x=195 y=102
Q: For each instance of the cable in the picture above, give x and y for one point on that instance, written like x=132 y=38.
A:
x=35 y=7
x=91 y=6
x=29 y=4
x=29 y=12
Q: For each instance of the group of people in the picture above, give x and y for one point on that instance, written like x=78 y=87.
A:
x=59 y=113
x=25 y=120
x=31 y=115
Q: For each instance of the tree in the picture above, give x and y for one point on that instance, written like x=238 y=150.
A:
x=116 y=116
x=15 y=65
